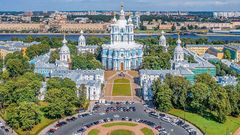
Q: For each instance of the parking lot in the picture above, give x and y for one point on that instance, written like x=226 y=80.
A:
x=124 y=111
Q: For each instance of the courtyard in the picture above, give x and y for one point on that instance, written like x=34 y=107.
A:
x=121 y=87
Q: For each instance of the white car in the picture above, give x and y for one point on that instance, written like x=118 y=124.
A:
x=116 y=116
x=78 y=133
x=102 y=113
x=167 y=119
x=1 y=123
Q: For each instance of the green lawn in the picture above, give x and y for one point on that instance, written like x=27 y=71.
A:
x=147 y=131
x=121 y=87
x=211 y=127
x=93 y=132
x=121 y=132
x=120 y=124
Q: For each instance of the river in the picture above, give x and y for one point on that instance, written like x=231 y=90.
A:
x=5 y=37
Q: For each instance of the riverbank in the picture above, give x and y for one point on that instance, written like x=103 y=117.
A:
x=216 y=34
x=89 y=34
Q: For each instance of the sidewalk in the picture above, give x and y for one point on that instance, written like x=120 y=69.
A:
x=237 y=132
x=11 y=131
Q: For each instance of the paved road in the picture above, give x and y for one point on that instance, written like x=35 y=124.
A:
x=1 y=132
x=72 y=127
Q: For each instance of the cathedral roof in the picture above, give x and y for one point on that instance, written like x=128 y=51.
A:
x=81 y=37
x=64 y=40
x=162 y=37
x=121 y=22
x=179 y=47
x=64 y=48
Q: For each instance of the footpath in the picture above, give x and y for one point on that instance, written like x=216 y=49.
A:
x=237 y=132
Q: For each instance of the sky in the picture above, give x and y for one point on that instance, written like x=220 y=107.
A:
x=143 y=5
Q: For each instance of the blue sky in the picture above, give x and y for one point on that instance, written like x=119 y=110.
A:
x=160 y=5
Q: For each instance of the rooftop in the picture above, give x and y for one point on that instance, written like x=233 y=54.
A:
x=122 y=45
x=234 y=46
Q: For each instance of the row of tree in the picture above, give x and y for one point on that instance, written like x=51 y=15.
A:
x=86 y=61
x=61 y=98
x=19 y=100
x=21 y=108
x=16 y=64
x=205 y=97
x=36 y=50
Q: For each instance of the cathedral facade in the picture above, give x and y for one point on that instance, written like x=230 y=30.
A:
x=123 y=53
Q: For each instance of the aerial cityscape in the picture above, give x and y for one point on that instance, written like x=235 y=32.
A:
x=111 y=67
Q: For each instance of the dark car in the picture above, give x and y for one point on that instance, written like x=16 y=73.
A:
x=6 y=130
x=52 y=130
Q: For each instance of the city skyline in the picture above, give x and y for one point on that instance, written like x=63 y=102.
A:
x=140 y=5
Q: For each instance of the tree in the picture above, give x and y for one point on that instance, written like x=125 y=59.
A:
x=82 y=94
x=59 y=83
x=24 y=94
x=61 y=102
x=36 y=50
x=206 y=79
x=23 y=115
x=155 y=58
x=173 y=28
x=190 y=27
x=29 y=39
x=54 y=56
x=21 y=88
x=179 y=87
x=54 y=83
x=234 y=99
x=218 y=103
x=93 y=40
x=16 y=64
x=227 y=55
x=3 y=93
x=198 y=99
x=183 y=28
x=17 y=67
x=86 y=61
x=68 y=83
x=5 y=75
x=163 y=95
x=54 y=110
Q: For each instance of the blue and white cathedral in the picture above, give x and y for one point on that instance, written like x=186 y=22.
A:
x=123 y=53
